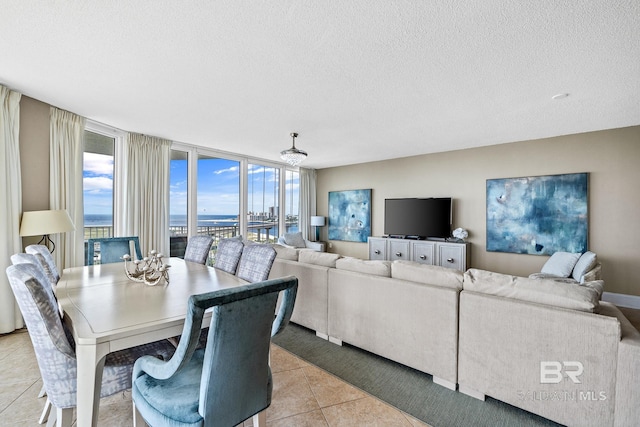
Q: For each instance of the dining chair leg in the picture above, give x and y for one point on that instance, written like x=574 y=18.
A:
x=138 y=420
x=45 y=411
x=260 y=419
x=43 y=392
x=62 y=417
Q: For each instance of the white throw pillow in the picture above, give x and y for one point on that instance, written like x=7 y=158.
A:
x=295 y=240
x=586 y=262
x=560 y=264
x=325 y=259
x=373 y=267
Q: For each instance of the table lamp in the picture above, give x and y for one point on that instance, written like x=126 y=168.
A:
x=36 y=223
x=317 y=221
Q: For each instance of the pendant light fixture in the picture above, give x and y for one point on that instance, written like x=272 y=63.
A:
x=293 y=156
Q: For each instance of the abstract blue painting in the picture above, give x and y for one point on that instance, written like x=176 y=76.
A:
x=538 y=215
x=350 y=215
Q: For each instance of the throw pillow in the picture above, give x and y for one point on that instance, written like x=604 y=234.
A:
x=586 y=262
x=295 y=240
x=560 y=264
x=325 y=259
x=427 y=274
x=283 y=252
x=373 y=267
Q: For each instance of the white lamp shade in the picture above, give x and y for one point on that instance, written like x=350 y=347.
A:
x=39 y=223
x=317 y=221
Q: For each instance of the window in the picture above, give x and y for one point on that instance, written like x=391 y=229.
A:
x=262 y=203
x=97 y=184
x=292 y=200
x=218 y=198
x=178 y=202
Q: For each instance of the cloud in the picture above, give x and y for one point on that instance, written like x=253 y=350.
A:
x=231 y=169
x=98 y=164
x=97 y=184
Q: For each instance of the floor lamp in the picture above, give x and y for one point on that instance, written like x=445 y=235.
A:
x=317 y=221
x=36 y=223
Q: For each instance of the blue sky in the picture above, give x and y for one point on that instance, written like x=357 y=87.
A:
x=218 y=187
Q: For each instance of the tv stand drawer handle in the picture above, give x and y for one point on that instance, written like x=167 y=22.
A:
x=398 y=254
x=423 y=257
x=450 y=260
x=377 y=252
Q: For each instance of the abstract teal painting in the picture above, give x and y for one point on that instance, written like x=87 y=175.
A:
x=538 y=215
x=350 y=215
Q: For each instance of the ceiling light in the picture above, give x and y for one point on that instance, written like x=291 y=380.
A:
x=293 y=156
x=560 y=96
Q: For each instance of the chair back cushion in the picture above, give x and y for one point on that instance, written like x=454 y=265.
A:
x=228 y=255
x=255 y=262
x=230 y=380
x=54 y=352
x=113 y=248
x=198 y=249
x=46 y=259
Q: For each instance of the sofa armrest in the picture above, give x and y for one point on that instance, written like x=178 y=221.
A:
x=316 y=246
x=627 y=411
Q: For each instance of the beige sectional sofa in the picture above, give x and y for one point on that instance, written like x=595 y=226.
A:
x=407 y=313
x=548 y=347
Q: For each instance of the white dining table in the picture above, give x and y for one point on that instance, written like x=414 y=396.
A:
x=107 y=312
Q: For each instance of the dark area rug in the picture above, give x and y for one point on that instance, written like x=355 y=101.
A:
x=406 y=389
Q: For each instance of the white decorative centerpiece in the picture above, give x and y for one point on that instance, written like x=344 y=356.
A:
x=460 y=234
x=150 y=270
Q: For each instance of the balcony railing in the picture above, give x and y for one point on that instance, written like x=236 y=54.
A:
x=178 y=235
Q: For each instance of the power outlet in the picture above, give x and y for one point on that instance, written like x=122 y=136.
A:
x=330 y=245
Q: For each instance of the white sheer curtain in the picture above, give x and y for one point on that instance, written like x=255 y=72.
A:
x=11 y=201
x=142 y=196
x=307 y=200
x=66 y=147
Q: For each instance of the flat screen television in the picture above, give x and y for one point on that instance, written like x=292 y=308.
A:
x=417 y=218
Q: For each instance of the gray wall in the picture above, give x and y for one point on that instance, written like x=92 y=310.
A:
x=611 y=157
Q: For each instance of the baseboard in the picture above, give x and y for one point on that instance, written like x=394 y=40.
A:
x=622 y=300
x=321 y=335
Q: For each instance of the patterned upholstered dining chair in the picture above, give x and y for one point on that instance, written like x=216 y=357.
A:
x=230 y=380
x=228 y=255
x=55 y=349
x=48 y=263
x=198 y=248
x=255 y=262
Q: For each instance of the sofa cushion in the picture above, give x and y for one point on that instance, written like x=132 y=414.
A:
x=560 y=264
x=428 y=274
x=373 y=267
x=573 y=296
x=318 y=258
x=295 y=240
x=587 y=261
x=283 y=252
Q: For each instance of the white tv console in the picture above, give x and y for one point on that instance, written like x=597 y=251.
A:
x=432 y=252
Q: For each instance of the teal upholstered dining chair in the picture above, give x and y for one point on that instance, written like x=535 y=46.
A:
x=198 y=248
x=55 y=349
x=112 y=249
x=230 y=380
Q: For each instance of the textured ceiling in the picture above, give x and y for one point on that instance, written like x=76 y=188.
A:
x=359 y=80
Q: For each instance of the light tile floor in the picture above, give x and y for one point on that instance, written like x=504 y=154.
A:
x=303 y=395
